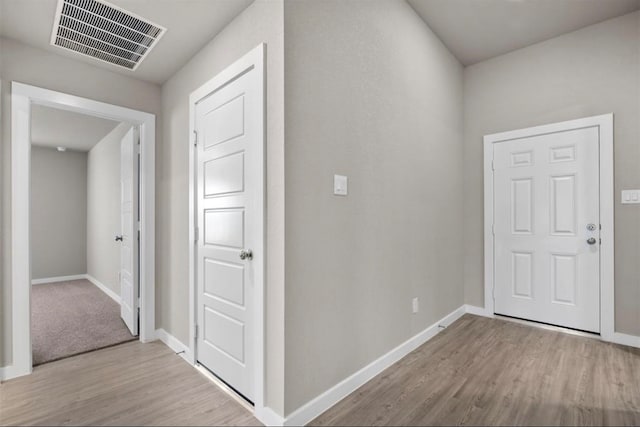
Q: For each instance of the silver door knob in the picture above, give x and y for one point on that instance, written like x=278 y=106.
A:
x=591 y=240
x=246 y=254
x=119 y=238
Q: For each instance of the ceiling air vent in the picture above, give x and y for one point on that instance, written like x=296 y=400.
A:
x=104 y=32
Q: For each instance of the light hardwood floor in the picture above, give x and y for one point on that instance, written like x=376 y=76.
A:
x=476 y=372
x=483 y=371
x=130 y=384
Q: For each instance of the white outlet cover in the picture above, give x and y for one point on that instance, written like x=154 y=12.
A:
x=340 y=185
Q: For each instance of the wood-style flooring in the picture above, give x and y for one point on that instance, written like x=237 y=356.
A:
x=478 y=371
x=130 y=384
x=483 y=371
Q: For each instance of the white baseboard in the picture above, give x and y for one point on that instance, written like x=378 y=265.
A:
x=103 y=288
x=174 y=344
x=58 y=279
x=625 y=339
x=326 y=400
x=11 y=371
x=478 y=311
x=268 y=417
x=617 y=337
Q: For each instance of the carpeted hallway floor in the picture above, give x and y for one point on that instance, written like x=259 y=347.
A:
x=73 y=317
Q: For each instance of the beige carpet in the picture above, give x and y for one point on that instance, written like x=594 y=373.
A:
x=73 y=317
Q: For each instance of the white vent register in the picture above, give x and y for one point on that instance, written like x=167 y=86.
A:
x=104 y=32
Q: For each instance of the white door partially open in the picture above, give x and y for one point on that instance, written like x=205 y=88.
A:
x=129 y=231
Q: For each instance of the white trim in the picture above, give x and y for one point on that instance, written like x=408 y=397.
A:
x=625 y=339
x=22 y=97
x=478 y=311
x=8 y=372
x=618 y=338
x=255 y=58
x=268 y=416
x=326 y=400
x=58 y=279
x=110 y=293
x=607 y=196
x=174 y=344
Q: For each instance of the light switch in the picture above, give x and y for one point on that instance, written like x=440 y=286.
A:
x=340 y=184
x=630 y=197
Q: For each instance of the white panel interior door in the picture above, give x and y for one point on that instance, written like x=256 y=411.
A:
x=546 y=225
x=229 y=214
x=129 y=223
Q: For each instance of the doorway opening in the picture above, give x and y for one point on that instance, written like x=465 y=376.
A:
x=134 y=232
x=84 y=200
x=549 y=224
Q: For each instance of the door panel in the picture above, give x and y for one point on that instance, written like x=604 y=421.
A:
x=546 y=191
x=229 y=213
x=129 y=243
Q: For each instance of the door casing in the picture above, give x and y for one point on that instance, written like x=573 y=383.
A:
x=23 y=96
x=255 y=59
x=604 y=123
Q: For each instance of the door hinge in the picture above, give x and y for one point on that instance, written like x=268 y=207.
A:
x=493 y=167
x=196 y=234
x=138 y=235
x=195 y=332
x=195 y=138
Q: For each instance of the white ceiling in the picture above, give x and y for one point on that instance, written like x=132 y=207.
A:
x=51 y=127
x=475 y=30
x=190 y=25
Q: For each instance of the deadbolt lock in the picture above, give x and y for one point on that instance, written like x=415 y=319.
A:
x=591 y=227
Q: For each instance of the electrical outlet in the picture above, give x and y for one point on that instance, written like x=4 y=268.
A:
x=415 y=303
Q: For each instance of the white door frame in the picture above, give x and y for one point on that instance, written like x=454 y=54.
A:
x=604 y=123
x=22 y=98
x=255 y=59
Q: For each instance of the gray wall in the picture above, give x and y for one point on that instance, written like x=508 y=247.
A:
x=591 y=71
x=103 y=209
x=25 y=64
x=261 y=22
x=58 y=213
x=373 y=94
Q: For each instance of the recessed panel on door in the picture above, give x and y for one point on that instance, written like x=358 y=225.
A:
x=225 y=122
x=522 y=267
x=563 y=205
x=225 y=334
x=224 y=280
x=224 y=228
x=563 y=278
x=522 y=205
x=562 y=154
x=224 y=175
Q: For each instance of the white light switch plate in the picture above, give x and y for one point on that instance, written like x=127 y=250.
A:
x=340 y=184
x=630 y=197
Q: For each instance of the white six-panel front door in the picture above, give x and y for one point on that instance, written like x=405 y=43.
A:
x=546 y=225
x=228 y=219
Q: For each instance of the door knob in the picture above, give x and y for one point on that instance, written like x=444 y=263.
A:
x=119 y=238
x=591 y=240
x=246 y=254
